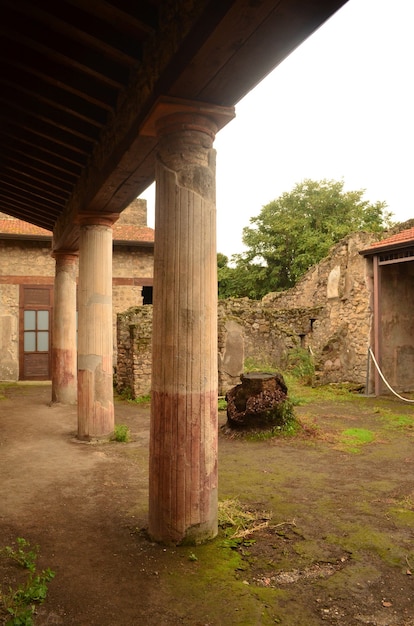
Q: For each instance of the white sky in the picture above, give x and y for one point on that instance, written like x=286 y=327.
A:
x=340 y=107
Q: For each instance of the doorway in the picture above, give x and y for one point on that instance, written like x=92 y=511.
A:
x=35 y=330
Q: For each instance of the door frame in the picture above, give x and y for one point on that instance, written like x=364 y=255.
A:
x=23 y=306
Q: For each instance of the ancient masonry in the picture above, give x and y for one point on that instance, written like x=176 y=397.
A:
x=327 y=313
x=25 y=260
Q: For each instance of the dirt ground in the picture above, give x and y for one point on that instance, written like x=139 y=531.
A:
x=334 y=542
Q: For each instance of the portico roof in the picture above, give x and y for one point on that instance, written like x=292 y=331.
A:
x=79 y=78
x=123 y=234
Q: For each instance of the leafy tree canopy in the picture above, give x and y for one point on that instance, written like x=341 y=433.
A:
x=294 y=232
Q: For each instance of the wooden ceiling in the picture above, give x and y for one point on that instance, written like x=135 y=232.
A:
x=79 y=77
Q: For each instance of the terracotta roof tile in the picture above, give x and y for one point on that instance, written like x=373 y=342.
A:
x=18 y=227
x=130 y=232
x=401 y=238
x=121 y=232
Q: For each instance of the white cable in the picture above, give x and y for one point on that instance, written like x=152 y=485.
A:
x=385 y=381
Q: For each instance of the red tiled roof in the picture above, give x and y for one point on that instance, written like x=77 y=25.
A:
x=121 y=232
x=399 y=239
x=18 y=227
x=129 y=232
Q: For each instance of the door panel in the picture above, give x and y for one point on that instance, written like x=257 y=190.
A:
x=36 y=308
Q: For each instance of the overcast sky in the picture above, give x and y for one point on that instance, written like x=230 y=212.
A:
x=340 y=107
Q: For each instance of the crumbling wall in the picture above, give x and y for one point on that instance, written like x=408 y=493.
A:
x=247 y=331
x=251 y=332
x=341 y=285
x=134 y=334
x=329 y=313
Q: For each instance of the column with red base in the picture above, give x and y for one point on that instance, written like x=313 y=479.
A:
x=64 y=351
x=183 y=441
x=95 y=347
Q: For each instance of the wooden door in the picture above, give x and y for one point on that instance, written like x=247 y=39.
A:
x=35 y=336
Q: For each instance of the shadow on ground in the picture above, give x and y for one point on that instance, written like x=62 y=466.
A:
x=333 y=542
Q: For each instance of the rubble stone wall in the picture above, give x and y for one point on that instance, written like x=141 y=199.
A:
x=328 y=313
x=342 y=285
x=134 y=334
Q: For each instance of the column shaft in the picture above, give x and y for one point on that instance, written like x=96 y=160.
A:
x=64 y=352
x=183 y=446
x=95 y=373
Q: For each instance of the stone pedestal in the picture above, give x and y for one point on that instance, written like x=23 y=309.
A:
x=64 y=352
x=183 y=445
x=95 y=346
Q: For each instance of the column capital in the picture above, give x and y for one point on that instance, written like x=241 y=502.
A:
x=97 y=219
x=171 y=114
x=66 y=255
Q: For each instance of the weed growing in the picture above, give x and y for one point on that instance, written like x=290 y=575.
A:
x=20 y=603
x=300 y=364
x=144 y=399
x=128 y=395
x=122 y=433
x=256 y=365
x=301 y=394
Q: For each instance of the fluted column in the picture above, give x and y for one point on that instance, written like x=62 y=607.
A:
x=95 y=373
x=64 y=351
x=183 y=441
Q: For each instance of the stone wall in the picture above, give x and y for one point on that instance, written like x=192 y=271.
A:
x=134 y=332
x=9 y=332
x=135 y=213
x=18 y=264
x=329 y=313
x=252 y=332
x=26 y=258
x=342 y=285
x=132 y=270
x=247 y=331
x=28 y=261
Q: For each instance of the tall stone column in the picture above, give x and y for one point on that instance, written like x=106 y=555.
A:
x=95 y=375
x=64 y=351
x=183 y=439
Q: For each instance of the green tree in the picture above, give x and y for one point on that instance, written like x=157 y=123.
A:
x=244 y=280
x=295 y=231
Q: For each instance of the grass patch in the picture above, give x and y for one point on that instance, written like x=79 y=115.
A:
x=358 y=540
x=144 y=399
x=391 y=420
x=353 y=439
x=302 y=394
x=291 y=428
x=127 y=395
x=3 y=387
